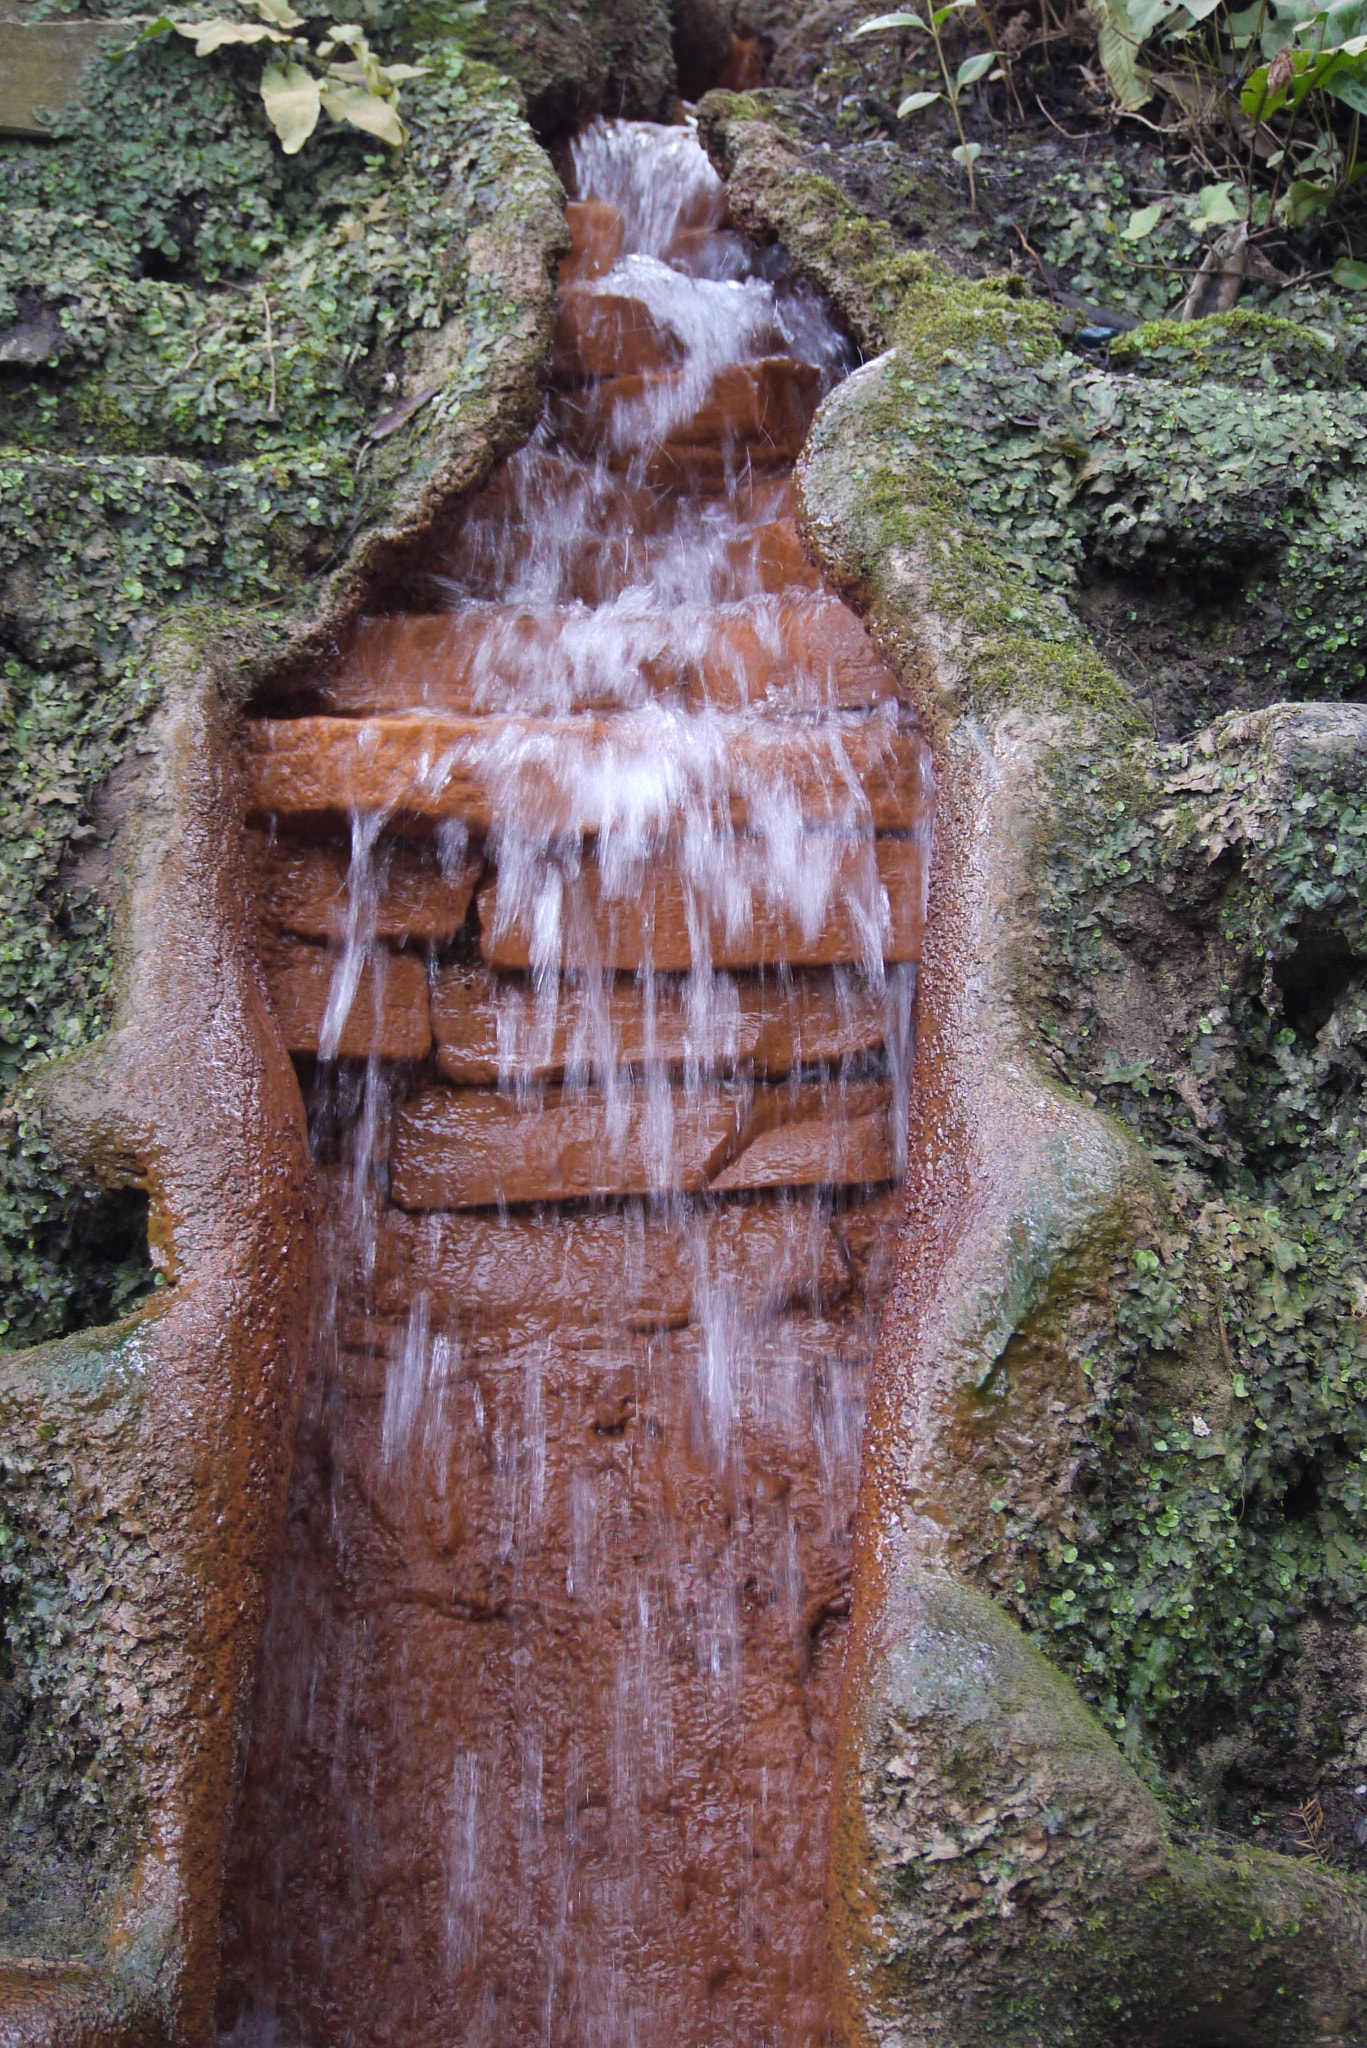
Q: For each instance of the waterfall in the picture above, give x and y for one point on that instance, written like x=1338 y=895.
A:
x=590 y=901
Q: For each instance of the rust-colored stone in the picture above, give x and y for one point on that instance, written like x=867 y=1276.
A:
x=557 y=1638
x=652 y=926
x=771 y=558
x=756 y=412
x=606 y=334
x=805 y=654
x=304 y=887
x=838 y=1151
x=597 y=238
x=488 y=1028
x=605 y=1269
x=388 y=1015
x=430 y=769
x=465 y=1148
x=744 y=68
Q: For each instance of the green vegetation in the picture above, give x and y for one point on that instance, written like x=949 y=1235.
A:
x=218 y=348
x=1225 y=1468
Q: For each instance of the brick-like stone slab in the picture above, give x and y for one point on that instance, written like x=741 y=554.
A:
x=759 y=410
x=457 y=1148
x=754 y=1023
x=304 y=887
x=388 y=1019
x=467 y=1148
x=792 y=653
x=597 y=238
x=651 y=927
x=563 y=776
x=600 y=1270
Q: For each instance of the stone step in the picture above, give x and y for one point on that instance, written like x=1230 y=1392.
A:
x=651 y=926
x=304 y=887
x=808 y=653
x=489 y=1029
x=771 y=558
x=793 y=652
x=608 y=334
x=569 y=776
x=467 y=1148
x=597 y=238
x=613 y=1270
x=388 y=1017
x=756 y=412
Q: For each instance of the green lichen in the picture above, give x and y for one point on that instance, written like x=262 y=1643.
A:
x=1223 y=1457
x=74 y=1682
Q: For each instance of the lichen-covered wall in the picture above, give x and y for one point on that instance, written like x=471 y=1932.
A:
x=229 y=378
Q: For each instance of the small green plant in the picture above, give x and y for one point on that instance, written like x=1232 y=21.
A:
x=1281 y=77
x=308 y=79
x=979 y=65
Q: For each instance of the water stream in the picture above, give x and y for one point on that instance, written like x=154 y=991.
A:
x=590 y=894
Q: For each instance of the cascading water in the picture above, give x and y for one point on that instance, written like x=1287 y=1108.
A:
x=590 y=904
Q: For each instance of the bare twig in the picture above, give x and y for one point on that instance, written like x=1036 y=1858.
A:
x=270 y=351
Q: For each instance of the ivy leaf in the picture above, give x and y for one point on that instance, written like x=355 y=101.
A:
x=292 y=102
x=1142 y=223
x=208 y=36
x=365 y=110
x=973 y=68
x=1216 y=206
x=1351 y=274
x=914 y=101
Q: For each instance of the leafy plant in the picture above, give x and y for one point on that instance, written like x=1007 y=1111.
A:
x=975 y=67
x=1273 y=60
x=308 y=79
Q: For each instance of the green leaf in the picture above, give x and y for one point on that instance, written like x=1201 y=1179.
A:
x=1142 y=223
x=292 y=102
x=208 y=36
x=1217 y=207
x=396 y=73
x=973 y=68
x=1118 y=45
x=1199 y=9
x=878 y=24
x=1352 y=91
x=365 y=110
x=967 y=153
x=943 y=13
x=1351 y=274
x=1305 y=199
x=1147 y=15
x=278 y=11
x=162 y=26
x=914 y=102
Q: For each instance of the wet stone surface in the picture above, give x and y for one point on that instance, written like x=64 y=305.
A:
x=591 y=903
